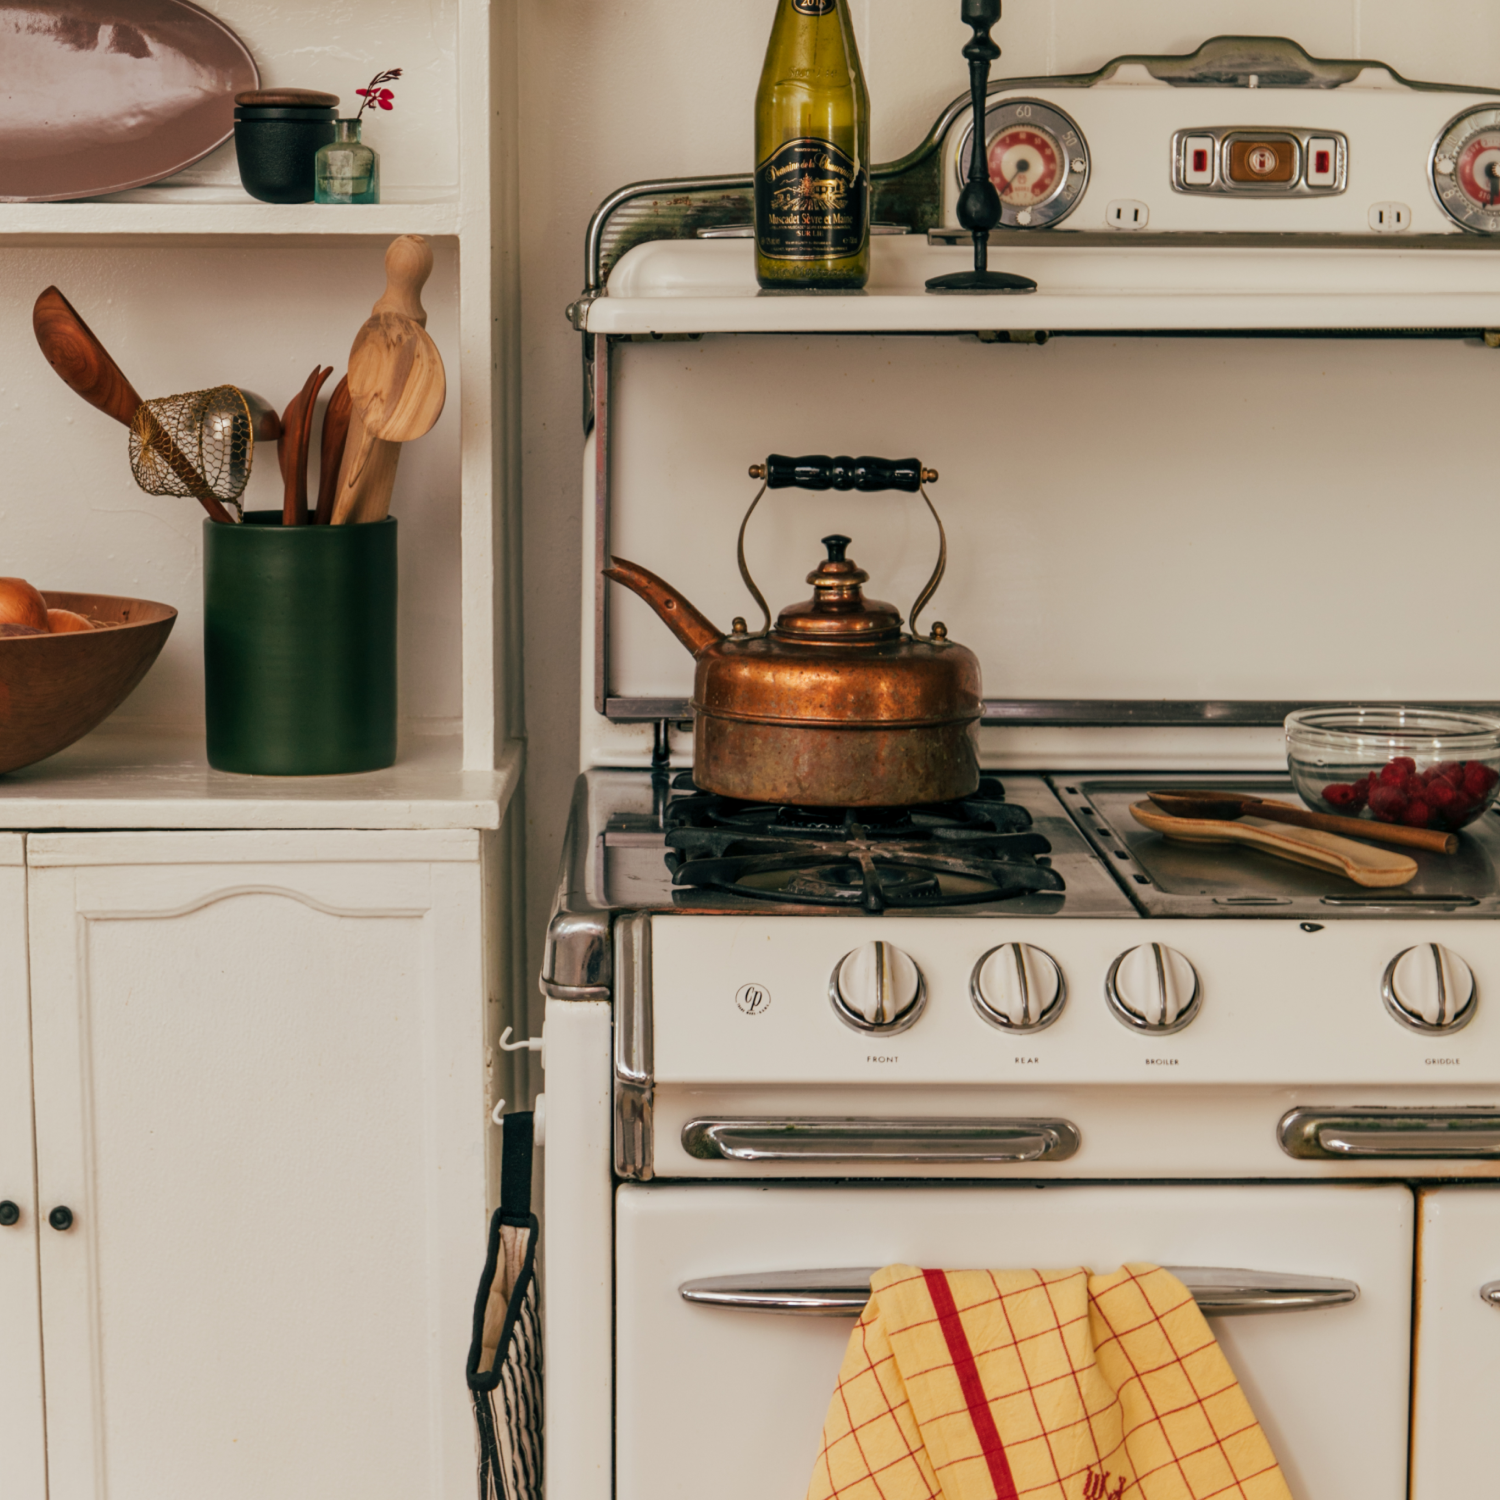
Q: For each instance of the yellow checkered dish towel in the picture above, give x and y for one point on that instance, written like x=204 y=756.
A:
x=1038 y=1385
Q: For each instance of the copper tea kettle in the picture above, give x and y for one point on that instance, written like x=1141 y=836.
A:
x=836 y=706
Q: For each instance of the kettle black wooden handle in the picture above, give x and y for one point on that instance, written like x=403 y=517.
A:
x=817 y=471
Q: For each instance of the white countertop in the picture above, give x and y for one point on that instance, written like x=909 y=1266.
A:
x=130 y=779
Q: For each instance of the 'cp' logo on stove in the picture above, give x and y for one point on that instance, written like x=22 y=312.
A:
x=753 y=999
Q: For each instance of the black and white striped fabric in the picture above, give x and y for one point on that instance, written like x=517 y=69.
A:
x=505 y=1356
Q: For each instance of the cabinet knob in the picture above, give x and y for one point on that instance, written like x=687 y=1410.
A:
x=10 y=1213
x=61 y=1218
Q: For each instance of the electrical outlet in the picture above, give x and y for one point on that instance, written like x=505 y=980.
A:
x=1389 y=218
x=1127 y=213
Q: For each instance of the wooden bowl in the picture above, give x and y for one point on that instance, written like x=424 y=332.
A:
x=55 y=688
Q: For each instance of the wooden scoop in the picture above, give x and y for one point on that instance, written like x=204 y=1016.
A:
x=397 y=386
x=83 y=362
x=1323 y=851
x=1205 y=803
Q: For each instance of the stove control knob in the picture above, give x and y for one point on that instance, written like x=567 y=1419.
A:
x=1430 y=988
x=877 y=987
x=1018 y=988
x=1154 y=989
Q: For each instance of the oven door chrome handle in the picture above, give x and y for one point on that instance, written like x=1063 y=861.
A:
x=1219 y=1292
x=1391 y=1134
x=855 y=1140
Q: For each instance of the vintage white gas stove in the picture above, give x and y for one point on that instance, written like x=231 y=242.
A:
x=786 y=1045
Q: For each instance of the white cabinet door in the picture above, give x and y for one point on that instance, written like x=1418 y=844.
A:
x=1455 y=1437
x=730 y=1403
x=23 y=1470
x=259 y=1090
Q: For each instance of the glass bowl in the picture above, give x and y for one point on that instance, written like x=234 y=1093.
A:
x=1424 y=767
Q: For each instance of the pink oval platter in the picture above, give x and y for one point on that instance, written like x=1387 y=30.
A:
x=98 y=97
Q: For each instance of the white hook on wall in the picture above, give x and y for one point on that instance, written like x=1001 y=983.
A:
x=531 y=1044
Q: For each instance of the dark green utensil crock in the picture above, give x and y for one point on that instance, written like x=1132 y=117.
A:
x=299 y=646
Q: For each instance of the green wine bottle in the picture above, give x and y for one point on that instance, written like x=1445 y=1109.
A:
x=812 y=152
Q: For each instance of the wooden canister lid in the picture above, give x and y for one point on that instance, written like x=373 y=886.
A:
x=288 y=98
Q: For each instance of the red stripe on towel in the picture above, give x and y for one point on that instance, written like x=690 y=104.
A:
x=968 y=1381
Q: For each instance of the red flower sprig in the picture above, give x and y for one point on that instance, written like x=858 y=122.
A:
x=375 y=95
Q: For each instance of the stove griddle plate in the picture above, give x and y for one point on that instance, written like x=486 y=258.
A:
x=1173 y=879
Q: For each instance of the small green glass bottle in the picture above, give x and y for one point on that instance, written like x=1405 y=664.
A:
x=812 y=152
x=346 y=170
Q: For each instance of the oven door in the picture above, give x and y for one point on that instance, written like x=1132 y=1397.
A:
x=729 y=1400
x=1455 y=1437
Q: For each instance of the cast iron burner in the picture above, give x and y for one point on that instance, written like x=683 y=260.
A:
x=979 y=848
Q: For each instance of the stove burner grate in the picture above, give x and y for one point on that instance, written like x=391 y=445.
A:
x=979 y=848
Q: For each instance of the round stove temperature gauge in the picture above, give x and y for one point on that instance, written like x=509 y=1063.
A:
x=1038 y=161
x=1466 y=170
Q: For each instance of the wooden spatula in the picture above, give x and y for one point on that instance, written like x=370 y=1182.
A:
x=1306 y=846
x=331 y=456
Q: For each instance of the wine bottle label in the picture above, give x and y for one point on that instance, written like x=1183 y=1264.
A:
x=810 y=201
x=813 y=7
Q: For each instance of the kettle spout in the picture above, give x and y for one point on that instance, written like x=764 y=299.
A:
x=691 y=628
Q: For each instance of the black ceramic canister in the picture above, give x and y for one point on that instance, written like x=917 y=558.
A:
x=277 y=133
x=299 y=646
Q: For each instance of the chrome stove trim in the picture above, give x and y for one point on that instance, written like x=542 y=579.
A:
x=866 y=1140
x=1065 y=713
x=1377 y=1134
x=577 y=961
x=1219 y=1292
x=634 y=1082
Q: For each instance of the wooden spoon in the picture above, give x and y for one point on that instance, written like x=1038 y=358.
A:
x=1206 y=803
x=72 y=349
x=1324 y=851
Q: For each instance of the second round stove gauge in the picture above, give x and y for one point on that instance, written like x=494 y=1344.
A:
x=1038 y=160
x=1466 y=170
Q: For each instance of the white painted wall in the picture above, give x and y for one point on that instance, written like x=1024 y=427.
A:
x=611 y=92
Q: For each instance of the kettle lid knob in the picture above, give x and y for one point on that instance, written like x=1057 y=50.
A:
x=836 y=546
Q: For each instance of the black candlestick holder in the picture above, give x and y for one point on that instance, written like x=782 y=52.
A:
x=979 y=203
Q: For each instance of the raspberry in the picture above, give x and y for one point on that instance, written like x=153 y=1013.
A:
x=1397 y=772
x=1388 y=803
x=1361 y=790
x=1416 y=814
x=1340 y=796
x=1478 y=779
x=1441 y=797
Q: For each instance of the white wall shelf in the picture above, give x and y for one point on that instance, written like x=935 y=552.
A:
x=225 y=213
x=684 y=287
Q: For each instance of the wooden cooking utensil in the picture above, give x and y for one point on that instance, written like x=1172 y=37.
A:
x=72 y=349
x=368 y=473
x=1324 y=851
x=1206 y=803
x=331 y=457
